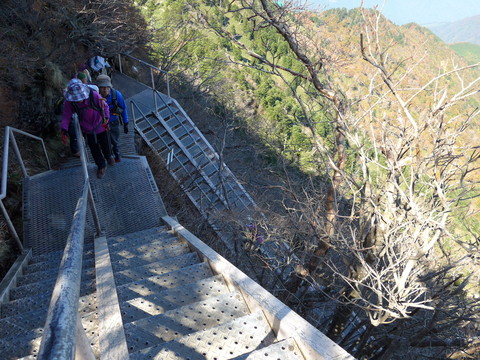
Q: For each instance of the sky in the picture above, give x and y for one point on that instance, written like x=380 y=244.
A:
x=423 y=12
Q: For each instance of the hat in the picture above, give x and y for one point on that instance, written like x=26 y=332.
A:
x=104 y=81
x=81 y=75
x=93 y=87
x=76 y=91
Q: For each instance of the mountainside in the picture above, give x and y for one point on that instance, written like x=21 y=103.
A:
x=471 y=52
x=465 y=30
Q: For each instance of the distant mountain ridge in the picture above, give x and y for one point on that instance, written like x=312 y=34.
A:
x=464 y=30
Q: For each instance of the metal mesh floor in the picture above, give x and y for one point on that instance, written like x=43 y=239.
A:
x=48 y=206
x=127 y=201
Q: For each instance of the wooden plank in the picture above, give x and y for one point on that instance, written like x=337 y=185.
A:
x=113 y=344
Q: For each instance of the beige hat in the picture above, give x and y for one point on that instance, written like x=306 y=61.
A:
x=103 y=81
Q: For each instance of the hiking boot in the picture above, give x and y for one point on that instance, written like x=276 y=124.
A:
x=118 y=159
x=111 y=161
x=101 y=172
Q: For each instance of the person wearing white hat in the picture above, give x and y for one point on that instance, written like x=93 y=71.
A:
x=93 y=114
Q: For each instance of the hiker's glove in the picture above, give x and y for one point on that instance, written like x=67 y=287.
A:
x=125 y=128
x=64 y=136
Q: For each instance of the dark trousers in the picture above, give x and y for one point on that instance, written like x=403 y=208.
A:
x=100 y=148
x=115 y=138
x=73 y=138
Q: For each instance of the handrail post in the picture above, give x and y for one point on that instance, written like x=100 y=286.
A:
x=46 y=156
x=17 y=153
x=153 y=89
x=83 y=160
x=13 y=232
x=93 y=209
x=170 y=158
x=168 y=84
x=120 y=63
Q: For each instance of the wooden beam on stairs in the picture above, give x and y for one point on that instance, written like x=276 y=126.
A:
x=113 y=344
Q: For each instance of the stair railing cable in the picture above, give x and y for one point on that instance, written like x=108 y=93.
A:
x=9 y=139
x=64 y=336
x=133 y=105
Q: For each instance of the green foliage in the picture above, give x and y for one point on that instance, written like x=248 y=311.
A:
x=471 y=52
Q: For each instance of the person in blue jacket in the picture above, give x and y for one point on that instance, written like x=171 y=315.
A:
x=118 y=112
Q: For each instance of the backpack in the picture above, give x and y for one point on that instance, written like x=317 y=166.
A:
x=91 y=105
x=116 y=109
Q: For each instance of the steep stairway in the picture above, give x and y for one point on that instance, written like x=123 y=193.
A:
x=23 y=316
x=192 y=161
x=173 y=306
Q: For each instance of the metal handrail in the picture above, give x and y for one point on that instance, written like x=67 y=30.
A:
x=63 y=329
x=10 y=138
x=150 y=66
x=60 y=330
x=83 y=161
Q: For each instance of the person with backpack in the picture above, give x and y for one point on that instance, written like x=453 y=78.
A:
x=118 y=112
x=93 y=114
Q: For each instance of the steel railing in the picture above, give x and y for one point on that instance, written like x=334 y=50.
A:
x=170 y=149
x=224 y=172
x=64 y=336
x=151 y=67
x=10 y=139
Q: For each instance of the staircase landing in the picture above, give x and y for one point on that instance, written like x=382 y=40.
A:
x=127 y=200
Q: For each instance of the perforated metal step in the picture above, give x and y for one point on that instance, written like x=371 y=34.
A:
x=225 y=341
x=139 y=247
x=21 y=330
x=156 y=284
x=156 y=268
x=160 y=230
x=148 y=258
x=143 y=307
x=143 y=241
x=184 y=320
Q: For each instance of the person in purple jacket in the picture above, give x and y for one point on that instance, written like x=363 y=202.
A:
x=93 y=114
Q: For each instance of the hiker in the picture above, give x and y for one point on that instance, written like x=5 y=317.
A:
x=93 y=114
x=118 y=112
x=84 y=76
x=99 y=65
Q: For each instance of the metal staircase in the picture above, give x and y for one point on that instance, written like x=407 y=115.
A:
x=149 y=289
x=23 y=316
x=174 y=307
x=191 y=160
